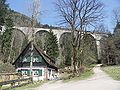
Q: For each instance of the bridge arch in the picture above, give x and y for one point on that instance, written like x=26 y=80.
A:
x=19 y=37
x=65 y=46
x=43 y=32
x=65 y=37
x=18 y=30
x=40 y=38
x=60 y=32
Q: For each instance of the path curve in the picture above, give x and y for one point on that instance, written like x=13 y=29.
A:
x=99 y=81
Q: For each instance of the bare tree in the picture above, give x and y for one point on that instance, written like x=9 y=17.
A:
x=116 y=15
x=78 y=15
x=34 y=9
x=101 y=28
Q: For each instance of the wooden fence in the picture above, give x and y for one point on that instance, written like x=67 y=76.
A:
x=13 y=80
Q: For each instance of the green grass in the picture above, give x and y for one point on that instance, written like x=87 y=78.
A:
x=85 y=75
x=91 y=66
x=28 y=86
x=82 y=76
x=113 y=71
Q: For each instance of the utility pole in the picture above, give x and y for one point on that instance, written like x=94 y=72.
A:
x=34 y=11
x=31 y=61
x=32 y=47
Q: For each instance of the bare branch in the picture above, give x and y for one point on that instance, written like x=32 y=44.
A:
x=116 y=13
x=78 y=14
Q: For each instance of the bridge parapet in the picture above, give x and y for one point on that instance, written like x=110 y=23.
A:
x=59 y=32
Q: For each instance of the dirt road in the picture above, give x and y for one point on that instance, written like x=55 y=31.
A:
x=99 y=81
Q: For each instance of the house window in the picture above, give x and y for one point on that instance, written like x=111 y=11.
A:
x=25 y=73
x=37 y=72
x=27 y=59
x=37 y=59
x=19 y=71
x=40 y=72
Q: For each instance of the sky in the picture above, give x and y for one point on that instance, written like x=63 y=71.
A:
x=49 y=14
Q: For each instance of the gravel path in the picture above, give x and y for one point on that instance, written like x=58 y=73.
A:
x=99 y=81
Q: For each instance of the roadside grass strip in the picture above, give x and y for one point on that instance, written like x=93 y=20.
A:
x=113 y=71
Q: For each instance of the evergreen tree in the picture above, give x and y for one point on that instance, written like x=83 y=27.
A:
x=25 y=42
x=38 y=43
x=51 y=45
x=3 y=11
x=6 y=39
x=5 y=20
x=66 y=48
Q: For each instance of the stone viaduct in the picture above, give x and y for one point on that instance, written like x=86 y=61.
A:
x=59 y=33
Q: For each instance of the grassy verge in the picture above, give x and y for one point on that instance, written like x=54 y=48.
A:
x=28 y=86
x=82 y=76
x=113 y=71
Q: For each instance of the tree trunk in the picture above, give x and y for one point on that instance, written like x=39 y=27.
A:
x=74 y=59
x=108 y=61
x=9 y=56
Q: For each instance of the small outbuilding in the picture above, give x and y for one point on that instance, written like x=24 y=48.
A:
x=43 y=67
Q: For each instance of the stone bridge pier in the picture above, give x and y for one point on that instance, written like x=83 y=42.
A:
x=58 y=32
x=98 y=37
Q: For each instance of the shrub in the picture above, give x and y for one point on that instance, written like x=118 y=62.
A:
x=6 y=68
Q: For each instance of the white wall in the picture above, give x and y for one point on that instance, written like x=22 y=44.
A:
x=45 y=73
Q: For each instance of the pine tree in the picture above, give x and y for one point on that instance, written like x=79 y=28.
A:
x=51 y=45
x=5 y=20
x=38 y=43
x=25 y=42
x=66 y=47
x=3 y=11
x=6 y=39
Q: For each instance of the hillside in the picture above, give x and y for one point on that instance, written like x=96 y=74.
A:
x=25 y=21
x=21 y=19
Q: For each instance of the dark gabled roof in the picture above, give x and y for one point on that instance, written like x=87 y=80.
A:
x=47 y=59
x=22 y=52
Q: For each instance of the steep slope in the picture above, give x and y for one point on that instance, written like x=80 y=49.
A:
x=21 y=19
